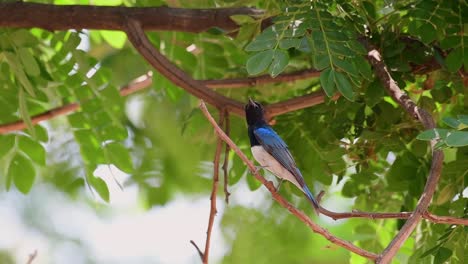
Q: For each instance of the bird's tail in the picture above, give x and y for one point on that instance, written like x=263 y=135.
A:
x=312 y=199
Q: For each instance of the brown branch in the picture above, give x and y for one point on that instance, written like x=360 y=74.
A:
x=262 y=79
x=401 y=215
x=213 y=210
x=137 y=37
x=31 y=257
x=278 y=198
x=64 y=17
x=200 y=253
x=226 y=158
x=296 y=103
x=426 y=119
x=140 y=83
x=145 y=81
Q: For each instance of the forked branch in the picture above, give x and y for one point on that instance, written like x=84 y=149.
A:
x=278 y=198
x=381 y=70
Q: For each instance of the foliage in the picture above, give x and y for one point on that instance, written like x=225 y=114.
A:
x=361 y=146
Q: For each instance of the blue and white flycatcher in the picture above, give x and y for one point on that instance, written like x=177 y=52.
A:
x=270 y=151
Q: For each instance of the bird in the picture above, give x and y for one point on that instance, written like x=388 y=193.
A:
x=271 y=152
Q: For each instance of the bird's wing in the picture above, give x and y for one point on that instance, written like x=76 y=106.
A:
x=276 y=147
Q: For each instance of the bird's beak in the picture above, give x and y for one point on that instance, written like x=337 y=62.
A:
x=252 y=102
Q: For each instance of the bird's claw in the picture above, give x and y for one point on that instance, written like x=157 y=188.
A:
x=279 y=185
x=258 y=168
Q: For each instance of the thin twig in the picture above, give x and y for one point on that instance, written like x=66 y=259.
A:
x=278 y=198
x=226 y=158
x=140 y=83
x=198 y=249
x=262 y=79
x=426 y=119
x=400 y=215
x=213 y=210
x=296 y=103
x=31 y=257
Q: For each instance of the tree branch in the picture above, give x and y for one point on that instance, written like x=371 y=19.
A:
x=200 y=253
x=278 y=198
x=138 y=84
x=64 y=17
x=145 y=81
x=226 y=158
x=401 y=215
x=137 y=37
x=213 y=210
x=296 y=103
x=31 y=257
x=262 y=79
x=425 y=118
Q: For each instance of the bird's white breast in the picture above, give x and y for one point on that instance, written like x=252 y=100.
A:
x=266 y=160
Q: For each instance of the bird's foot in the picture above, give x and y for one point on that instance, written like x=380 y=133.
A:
x=279 y=185
x=258 y=168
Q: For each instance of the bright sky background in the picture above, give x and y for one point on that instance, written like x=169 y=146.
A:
x=126 y=234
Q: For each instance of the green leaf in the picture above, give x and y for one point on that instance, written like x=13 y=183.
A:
x=463 y=119
x=115 y=38
x=259 y=62
x=454 y=60
x=344 y=86
x=446 y=194
x=290 y=43
x=108 y=2
x=452 y=122
x=22 y=172
x=23 y=38
x=33 y=149
x=119 y=156
x=321 y=61
x=17 y=68
x=457 y=139
x=238 y=169
x=242 y=19
x=427 y=33
x=374 y=93
x=28 y=61
x=435 y=133
x=259 y=45
x=252 y=182
x=280 y=61
x=100 y=186
x=23 y=109
x=216 y=31
x=442 y=255
x=430 y=251
x=346 y=66
x=327 y=78
x=6 y=144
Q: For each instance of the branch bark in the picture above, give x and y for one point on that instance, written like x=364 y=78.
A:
x=400 y=215
x=64 y=17
x=214 y=189
x=278 y=198
x=262 y=79
x=227 y=128
x=426 y=119
x=137 y=37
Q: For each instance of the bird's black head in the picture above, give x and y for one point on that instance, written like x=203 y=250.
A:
x=254 y=113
